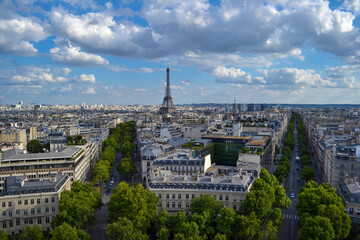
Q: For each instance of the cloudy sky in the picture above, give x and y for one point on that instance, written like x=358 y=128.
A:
x=116 y=52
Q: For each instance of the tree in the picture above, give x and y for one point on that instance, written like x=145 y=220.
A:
x=270 y=232
x=34 y=146
x=188 y=231
x=225 y=221
x=281 y=200
x=339 y=220
x=277 y=149
x=161 y=221
x=305 y=160
x=205 y=223
x=78 y=206
x=270 y=179
x=247 y=227
x=317 y=228
x=163 y=234
x=123 y=229
x=276 y=217
x=137 y=204
x=101 y=171
x=219 y=236
x=126 y=167
x=33 y=233
x=3 y=235
x=66 y=232
x=206 y=203
x=259 y=202
x=307 y=173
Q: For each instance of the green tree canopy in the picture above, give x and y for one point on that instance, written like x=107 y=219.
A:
x=137 y=204
x=78 y=206
x=206 y=203
x=66 y=232
x=3 y=235
x=307 y=173
x=247 y=227
x=126 y=167
x=316 y=228
x=32 y=233
x=123 y=229
x=34 y=146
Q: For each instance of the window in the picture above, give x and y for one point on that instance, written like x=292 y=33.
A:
x=159 y=195
x=32 y=201
x=10 y=213
x=10 y=204
x=179 y=196
x=4 y=225
x=38 y=210
x=33 y=211
x=52 y=199
x=53 y=209
x=160 y=204
x=19 y=202
x=17 y=221
x=26 y=202
x=4 y=213
x=39 y=220
x=173 y=204
x=234 y=198
x=30 y=221
x=167 y=195
x=179 y=204
x=187 y=204
x=47 y=220
x=234 y=206
x=227 y=198
x=11 y=224
x=187 y=196
x=173 y=195
x=167 y=205
x=47 y=209
x=46 y=200
x=220 y=197
x=38 y=200
x=3 y=204
x=192 y=196
x=17 y=212
x=25 y=212
x=26 y=221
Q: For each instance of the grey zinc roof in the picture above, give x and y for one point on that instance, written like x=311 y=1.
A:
x=14 y=154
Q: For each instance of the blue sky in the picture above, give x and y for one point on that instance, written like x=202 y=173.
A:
x=116 y=52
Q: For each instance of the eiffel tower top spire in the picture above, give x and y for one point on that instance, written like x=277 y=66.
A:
x=167 y=105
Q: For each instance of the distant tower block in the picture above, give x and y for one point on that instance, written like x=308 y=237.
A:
x=36 y=113
x=167 y=105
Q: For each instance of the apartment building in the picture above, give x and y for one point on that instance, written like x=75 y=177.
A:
x=26 y=202
x=227 y=184
x=74 y=161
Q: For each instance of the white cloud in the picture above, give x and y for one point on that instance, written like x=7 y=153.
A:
x=89 y=90
x=351 y=5
x=34 y=75
x=87 y=78
x=186 y=82
x=17 y=35
x=75 y=57
x=231 y=75
x=66 y=71
x=140 y=90
x=116 y=68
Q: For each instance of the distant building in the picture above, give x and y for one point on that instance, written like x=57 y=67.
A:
x=26 y=202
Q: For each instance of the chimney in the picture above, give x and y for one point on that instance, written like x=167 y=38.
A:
x=22 y=182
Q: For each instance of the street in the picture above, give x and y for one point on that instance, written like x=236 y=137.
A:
x=291 y=223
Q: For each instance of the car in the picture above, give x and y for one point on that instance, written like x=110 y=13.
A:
x=297 y=169
x=292 y=196
x=109 y=190
x=112 y=179
x=104 y=185
x=298 y=179
x=111 y=183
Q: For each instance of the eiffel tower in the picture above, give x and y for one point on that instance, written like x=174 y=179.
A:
x=167 y=105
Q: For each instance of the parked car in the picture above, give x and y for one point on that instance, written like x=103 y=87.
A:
x=109 y=190
x=292 y=196
x=104 y=185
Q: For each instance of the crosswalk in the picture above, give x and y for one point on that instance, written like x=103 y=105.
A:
x=291 y=216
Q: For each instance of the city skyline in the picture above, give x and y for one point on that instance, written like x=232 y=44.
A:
x=70 y=52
